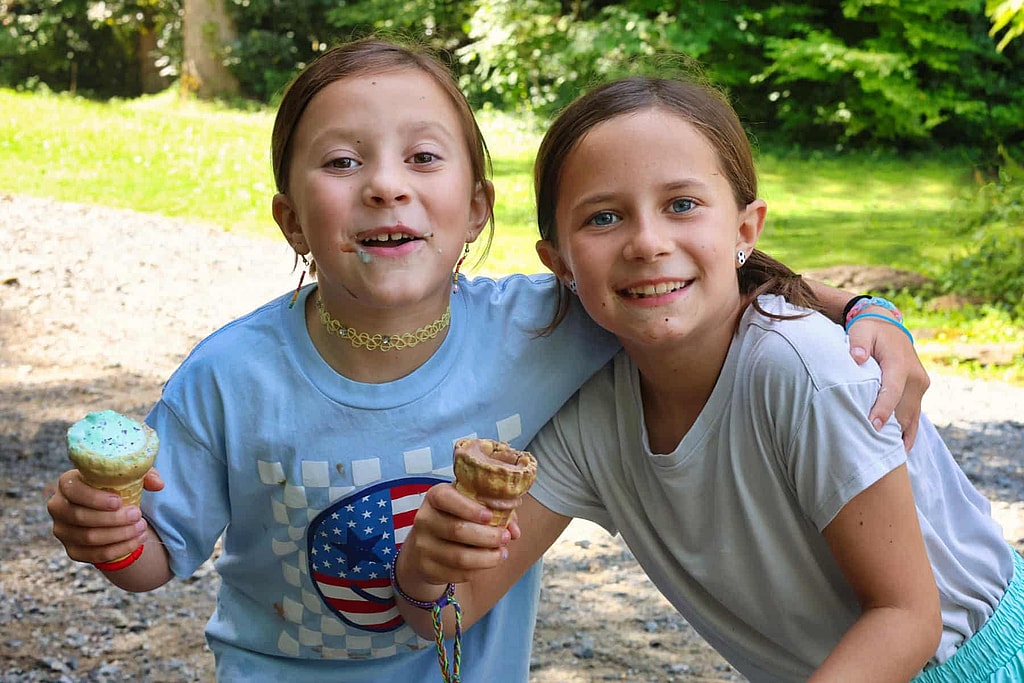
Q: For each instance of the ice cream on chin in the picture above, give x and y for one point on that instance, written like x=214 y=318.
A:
x=494 y=474
x=113 y=453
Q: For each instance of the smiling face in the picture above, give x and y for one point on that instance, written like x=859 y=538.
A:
x=380 y=190
x=648 y=226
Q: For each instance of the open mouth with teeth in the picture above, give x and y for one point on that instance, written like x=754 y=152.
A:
x=659 y=289
x=391 y=239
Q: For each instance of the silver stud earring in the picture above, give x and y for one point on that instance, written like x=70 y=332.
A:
x=571 y=284
x=741 y=258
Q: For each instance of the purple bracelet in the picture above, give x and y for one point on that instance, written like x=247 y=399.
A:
x=453 y=673
x=441 y=602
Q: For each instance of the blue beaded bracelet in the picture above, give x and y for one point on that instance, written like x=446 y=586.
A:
x=886 y=318
x=859 y=306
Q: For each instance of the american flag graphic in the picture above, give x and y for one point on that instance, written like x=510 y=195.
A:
x=352 y=544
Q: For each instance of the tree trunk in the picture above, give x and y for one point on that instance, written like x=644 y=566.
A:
x=149 y=74
x=208 y=30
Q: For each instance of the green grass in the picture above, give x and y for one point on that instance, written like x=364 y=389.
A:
x=155 y=154
x=206 y=162
x=860 y=210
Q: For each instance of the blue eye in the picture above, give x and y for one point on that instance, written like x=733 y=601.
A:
x=603 y=219
x=682 y=205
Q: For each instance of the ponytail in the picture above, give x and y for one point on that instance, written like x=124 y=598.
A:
x=762 y=274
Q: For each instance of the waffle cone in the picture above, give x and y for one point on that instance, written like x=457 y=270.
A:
x=493 y=474
x=114 y=464
x=501 y=507
x=131 y=493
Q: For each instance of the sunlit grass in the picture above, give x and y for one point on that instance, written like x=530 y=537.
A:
x=831 y=211
x=156 y=154
x=206 y=162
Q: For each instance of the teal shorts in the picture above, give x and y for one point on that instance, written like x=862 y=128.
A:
x=996 y=652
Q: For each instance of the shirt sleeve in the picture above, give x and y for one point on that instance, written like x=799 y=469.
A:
x=192 y=510
x=565 y=482
x=813 y=400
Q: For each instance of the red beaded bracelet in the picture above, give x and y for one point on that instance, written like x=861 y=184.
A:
x=122 y=562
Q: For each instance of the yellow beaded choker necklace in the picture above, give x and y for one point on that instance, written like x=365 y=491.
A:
x=380 y=342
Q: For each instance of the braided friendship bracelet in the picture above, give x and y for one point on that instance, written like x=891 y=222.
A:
x=435 y=607
x=886 y=318
x=858 y=307
x=120 y=563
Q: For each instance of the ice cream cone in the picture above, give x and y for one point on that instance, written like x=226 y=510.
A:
x=113 y=453
x=494 y=474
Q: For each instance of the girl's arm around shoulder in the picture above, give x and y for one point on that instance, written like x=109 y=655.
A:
x=877 y=542
x=904 y=379
x=451 y=542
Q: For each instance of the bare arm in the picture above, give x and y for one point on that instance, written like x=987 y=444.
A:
x=94 y=526
x=451 y=542
x=832 y=300
x=877 y=542
x=904 y=379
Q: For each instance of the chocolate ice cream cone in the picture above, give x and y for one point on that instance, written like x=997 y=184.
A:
x=494 y=474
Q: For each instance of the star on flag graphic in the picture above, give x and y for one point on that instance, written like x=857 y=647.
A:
x=352 y=544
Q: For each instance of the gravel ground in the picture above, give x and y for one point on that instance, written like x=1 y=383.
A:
x=97 y=307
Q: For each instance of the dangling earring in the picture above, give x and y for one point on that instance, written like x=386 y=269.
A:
x=455 y=274
x=305 y=267
x=571 y=284
x=741 y=258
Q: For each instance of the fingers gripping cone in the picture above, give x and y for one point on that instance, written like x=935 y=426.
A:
x=113 y=453
x=494 y=474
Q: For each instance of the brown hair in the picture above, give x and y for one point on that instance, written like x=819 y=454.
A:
x=372 y=55
x=703 y=107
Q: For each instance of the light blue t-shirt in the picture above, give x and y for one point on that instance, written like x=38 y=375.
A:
x=314 y=480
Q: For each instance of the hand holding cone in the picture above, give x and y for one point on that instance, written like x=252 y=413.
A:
x=113 y=453
x=493 y=473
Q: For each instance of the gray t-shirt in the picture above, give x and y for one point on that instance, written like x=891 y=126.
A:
x=728 y=525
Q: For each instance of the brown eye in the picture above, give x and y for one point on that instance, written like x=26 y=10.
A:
x=423 y=157
x=343 y=163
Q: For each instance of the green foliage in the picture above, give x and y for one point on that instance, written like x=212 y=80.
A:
x=860 y=73
x=1008 y=15
x=890 y=72
x=817 y=74
x=992 y=267
x=540 y=54
x=276 y=39
x=84 y=46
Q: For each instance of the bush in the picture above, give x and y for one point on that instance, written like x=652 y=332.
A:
x=91 y=48
x=277 y=39
x=993 y=269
